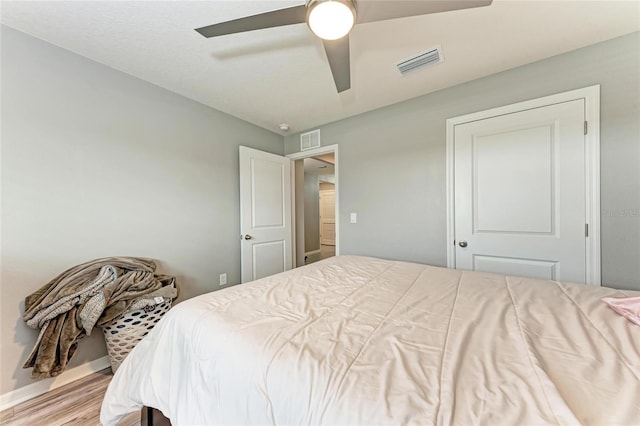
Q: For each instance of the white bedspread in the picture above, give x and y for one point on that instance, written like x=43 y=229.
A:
x=355 y=340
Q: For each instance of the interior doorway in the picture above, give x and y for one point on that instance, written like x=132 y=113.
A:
x=316 y=205
x=319 y=207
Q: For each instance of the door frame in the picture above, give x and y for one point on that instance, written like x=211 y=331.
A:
x=308 y=154
x=591 y=96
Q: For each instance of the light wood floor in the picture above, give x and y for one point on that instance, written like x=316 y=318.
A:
x=77 y=403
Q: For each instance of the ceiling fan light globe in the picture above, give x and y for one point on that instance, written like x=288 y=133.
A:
x=331 y=19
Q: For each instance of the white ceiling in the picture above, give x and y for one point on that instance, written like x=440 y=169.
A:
x=281 y=75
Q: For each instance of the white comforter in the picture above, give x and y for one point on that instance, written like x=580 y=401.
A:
x=354 y=340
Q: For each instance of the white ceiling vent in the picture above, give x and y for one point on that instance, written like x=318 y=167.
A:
x=430 y=57
x=310 y=140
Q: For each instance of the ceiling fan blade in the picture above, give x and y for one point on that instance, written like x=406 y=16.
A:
x=374 y=10
x=339 y=61
x=276 y=18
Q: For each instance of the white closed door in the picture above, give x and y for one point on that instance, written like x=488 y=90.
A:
x=328 y=217
x=520 y=191
x=265 y=214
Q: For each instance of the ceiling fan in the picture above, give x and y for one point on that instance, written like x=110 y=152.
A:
x=332 y=20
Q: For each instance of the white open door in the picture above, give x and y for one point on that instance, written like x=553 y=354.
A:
x=265 y=214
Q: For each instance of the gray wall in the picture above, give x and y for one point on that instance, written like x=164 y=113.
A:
x=311 y=212
x=401 y=212
x=98 y=163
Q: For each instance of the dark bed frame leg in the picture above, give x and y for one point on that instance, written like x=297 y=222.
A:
x=152 y=417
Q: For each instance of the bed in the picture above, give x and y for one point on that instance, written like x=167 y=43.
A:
x=359 y=340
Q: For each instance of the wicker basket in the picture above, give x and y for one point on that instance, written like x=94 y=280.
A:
x=124 y=332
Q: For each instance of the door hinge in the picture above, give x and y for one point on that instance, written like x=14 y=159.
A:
x=586 y=229
x=586 y=127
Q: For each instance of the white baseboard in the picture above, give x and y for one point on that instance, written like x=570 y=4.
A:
x=25 y=393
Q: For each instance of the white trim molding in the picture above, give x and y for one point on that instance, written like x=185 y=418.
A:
x=319 y=151
x=25 y=393
x=591 y=96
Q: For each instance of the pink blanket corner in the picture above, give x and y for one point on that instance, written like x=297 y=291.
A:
x=628 y=307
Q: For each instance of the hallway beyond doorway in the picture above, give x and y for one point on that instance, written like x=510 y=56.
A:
x=325 y=253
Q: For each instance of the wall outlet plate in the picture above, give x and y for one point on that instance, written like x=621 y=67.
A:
x=223 y=279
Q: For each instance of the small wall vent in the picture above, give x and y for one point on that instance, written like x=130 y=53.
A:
x=310 y=140
x=431 y=56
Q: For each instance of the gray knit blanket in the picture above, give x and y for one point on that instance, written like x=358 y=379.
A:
x=88 y=295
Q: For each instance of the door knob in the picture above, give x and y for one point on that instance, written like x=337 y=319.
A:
x=248 y=237
x=462 y=244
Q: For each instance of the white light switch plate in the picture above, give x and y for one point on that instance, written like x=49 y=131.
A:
x=354 y=218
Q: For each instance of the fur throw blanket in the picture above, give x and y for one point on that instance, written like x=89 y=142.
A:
x=93 y=293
